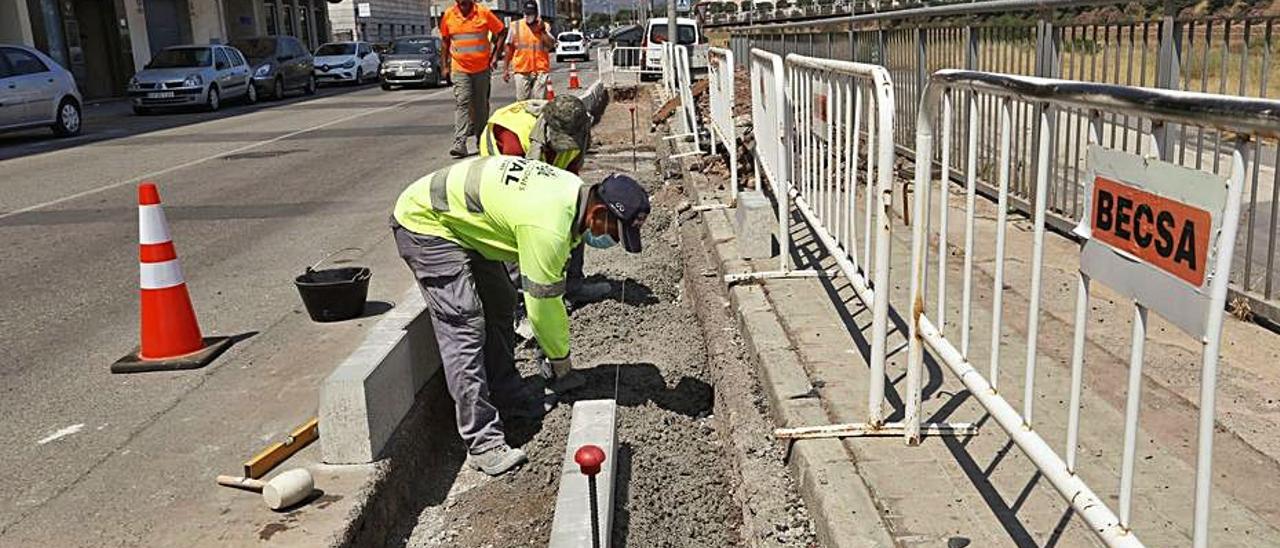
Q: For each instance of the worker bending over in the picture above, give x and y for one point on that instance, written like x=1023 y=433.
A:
x=455 y=227
x=528 y=48
x=557 y=132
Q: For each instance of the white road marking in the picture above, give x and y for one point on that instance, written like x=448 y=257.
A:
x=198 y=161
x=75 y=428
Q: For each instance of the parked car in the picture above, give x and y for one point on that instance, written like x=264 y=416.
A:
x=412 y=60
x=192 y=76
x=36 y=91
x=572 y=45
x=279 y=63
x=354 y=62
x=688 y=34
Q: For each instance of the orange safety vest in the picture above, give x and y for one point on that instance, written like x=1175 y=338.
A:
x=531 y=54
x=469 y=47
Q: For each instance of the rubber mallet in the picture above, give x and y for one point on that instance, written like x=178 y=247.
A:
x=590 y=458
x=286 y=489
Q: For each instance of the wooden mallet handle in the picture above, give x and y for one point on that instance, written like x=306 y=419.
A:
x=239 y=482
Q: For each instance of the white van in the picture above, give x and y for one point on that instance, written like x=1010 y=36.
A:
x=688 y=33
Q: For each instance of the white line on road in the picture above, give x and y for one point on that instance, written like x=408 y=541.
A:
x=198 y=161
x=75 y=428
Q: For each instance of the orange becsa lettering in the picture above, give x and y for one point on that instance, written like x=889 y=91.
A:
x=1165 y=233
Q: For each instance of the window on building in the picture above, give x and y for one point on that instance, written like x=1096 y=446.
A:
x=288 y=21
x=269 y=11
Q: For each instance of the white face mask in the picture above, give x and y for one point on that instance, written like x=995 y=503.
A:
x=530 y=19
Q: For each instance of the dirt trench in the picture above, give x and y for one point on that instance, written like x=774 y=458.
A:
x=696 y=465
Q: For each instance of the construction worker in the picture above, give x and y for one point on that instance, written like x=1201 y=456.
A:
x=468 y=32
x=455 y=228
x=556 y=132
x=529 y=42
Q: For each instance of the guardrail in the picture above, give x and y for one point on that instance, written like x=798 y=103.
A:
x=1117 y=251
x=720 y=75
x=678 y=82
x=1161 y=48
x=824 y=142
x=621 y=65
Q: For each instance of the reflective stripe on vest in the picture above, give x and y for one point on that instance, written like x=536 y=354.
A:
x=542 y=291
x=530 y=55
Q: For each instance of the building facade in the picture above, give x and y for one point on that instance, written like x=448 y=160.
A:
x=380 y=21
x=103 y=42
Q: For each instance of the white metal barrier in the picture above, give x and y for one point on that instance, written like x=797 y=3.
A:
x=720 y=74
x=841 y=139
x=771 y=127
x=621 y=65
x=1118 y=250
x=679 y=83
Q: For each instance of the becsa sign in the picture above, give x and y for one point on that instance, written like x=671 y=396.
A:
x=1151 y=231
x=1170 y=235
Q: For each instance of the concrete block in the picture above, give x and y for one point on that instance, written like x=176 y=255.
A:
x=755 y=225
x=593 y=422
x=366 y=396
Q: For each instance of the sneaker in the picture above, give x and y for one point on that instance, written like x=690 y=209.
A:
x=587 y=292
x=499 y=460
x=459 y=149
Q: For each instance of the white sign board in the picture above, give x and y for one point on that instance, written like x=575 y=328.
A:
x=363 y=10
x=1151 y=231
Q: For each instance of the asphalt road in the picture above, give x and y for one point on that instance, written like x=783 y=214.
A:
x=252 y=196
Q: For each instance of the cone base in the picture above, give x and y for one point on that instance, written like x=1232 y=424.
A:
x=135 y=363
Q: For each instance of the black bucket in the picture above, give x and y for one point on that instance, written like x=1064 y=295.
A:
x=334 y=294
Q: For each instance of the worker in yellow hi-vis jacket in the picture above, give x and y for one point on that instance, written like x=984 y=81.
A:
x=455 y=228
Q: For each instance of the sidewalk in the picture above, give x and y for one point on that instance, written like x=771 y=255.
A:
x=981 y=489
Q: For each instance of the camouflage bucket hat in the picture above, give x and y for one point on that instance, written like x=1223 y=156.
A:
x=568 y=123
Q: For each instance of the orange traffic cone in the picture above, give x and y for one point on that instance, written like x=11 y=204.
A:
x=573 y=77
x=551 y=90
x=170 y=334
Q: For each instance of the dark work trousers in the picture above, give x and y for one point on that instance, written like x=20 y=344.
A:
x=472 y=304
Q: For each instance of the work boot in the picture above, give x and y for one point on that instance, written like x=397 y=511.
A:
x=459 y=149
x=498 y=460
x=587 y=292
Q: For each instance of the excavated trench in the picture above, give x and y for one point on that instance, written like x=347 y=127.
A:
x=696 y=465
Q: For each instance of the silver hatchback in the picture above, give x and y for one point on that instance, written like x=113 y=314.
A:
x=36 y=91
x=192 y=76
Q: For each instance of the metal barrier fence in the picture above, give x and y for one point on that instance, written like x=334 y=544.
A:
x=771 y=128
x=621 y=65
x=678 y=82
x=720 y=73
x=824 y=142
x=1117 y=250
x=1161 y=48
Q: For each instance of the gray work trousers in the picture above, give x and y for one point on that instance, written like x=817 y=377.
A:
x=472 y=304
x=471 y=104
x=531 y=85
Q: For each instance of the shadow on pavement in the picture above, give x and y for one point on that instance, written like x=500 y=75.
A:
x=115 y=119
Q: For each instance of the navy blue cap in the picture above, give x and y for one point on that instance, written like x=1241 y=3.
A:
x=629 y=204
